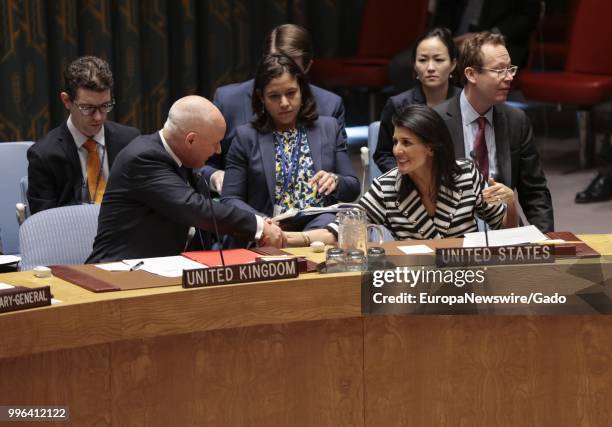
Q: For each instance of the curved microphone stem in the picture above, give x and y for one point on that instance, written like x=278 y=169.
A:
x=212 y=212
x=365 y=162
x=483 y=185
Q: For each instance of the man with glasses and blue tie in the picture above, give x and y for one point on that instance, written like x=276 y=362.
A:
x=70 y=164
x=497 y=137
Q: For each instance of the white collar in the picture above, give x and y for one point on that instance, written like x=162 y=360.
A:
x=169 y=150
x=469 y=115
x=79 y=138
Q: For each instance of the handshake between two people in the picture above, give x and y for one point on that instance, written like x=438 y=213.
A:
x=274 y=236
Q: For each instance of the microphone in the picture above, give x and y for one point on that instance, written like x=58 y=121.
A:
x=365 y=161
x=483 y=185
x=212 y=212
x=365 y=156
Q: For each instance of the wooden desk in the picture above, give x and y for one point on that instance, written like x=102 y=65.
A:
x=299 y=352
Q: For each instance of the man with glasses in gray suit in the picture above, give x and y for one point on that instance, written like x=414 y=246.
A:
x=497 y=137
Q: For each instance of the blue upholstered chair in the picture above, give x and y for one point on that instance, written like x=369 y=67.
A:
x=372 y=140
x=22 y=208
x=13 y=166
x=62 y=235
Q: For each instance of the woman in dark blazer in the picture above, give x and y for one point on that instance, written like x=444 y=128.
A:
x=429 y=194
x=435 y=58
x=288 y=157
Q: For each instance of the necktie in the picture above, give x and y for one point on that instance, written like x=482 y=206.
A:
x=480 y=149
x=95 y=180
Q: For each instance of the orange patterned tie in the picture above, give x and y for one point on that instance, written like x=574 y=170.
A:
x=95 y=179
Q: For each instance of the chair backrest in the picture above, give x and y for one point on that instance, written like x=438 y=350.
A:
x=372 y=141
x=590 y=38
x=13 y=166
x=63 y=235
x=390 y=27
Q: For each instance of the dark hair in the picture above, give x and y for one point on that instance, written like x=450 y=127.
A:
x=445 y=36
x=471 y=52
x=87 y=72
x=271 y=67
x=425 y=123
x=291 y=40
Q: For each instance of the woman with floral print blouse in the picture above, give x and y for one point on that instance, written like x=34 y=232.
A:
x=287 y=157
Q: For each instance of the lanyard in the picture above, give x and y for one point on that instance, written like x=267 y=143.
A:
x=288 y=169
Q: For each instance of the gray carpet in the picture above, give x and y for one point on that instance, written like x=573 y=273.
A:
x=559 y=156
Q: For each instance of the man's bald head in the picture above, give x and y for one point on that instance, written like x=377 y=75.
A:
x=193 y=130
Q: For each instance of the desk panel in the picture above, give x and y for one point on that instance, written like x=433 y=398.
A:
x=299 y=352
x=488 y=370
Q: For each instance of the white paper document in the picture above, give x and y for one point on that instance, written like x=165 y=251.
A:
x=505 y=237
x=115 y=266
x=416 y=249
x=167 y=266
x=316 y=210
x=171 y=266
x=9 y=259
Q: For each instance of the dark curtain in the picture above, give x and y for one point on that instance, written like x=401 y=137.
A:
x=159 y=50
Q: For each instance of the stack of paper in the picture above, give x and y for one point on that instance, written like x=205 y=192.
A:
x=505 y=237
x=168 y=266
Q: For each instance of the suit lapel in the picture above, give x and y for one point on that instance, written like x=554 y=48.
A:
x=502 y=146
x=455 y=126
x=414 y=211
x=110 y=147
x=314 y=142
x=268 y=156
x=248 y=106
x=447 y=202
x=68 y=145
x=66 y=142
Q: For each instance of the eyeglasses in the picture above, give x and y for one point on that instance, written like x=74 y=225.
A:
x=88 y=110
x=502 y=72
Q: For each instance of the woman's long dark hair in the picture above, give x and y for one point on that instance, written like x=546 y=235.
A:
x=272 y=67
x=425 y=123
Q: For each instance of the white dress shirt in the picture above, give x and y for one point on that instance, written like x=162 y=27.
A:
x=79 y=141
x=469 y=118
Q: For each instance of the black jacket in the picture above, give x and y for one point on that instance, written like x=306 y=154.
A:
x=55 y=177
x=150 y=203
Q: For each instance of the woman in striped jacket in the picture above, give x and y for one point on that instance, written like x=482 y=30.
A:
x=429 y=195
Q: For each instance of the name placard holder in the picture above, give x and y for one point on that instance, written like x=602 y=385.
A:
x=21 y=298
x=241 y=273
x=499 y=255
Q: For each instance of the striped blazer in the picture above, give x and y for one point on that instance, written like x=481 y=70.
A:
x=394 y=202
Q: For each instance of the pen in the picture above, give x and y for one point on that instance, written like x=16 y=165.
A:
x=137 y=266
